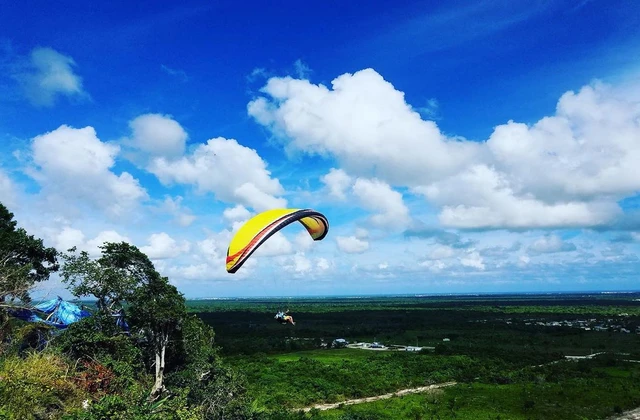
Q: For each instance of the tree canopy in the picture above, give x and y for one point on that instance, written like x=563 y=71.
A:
x=112 y=278
x=24 y=260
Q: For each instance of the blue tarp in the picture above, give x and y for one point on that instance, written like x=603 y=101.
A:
x=60 y=313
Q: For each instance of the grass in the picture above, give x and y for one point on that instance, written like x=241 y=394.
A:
x=596 y=397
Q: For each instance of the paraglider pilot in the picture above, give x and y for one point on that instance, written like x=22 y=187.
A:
x=283 y=318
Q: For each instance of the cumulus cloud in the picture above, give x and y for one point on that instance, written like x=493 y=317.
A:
x=473 y=260
x=364 y=122
x=337 y=181
x=162 y=246
x=238 y=213
x=298 y=264
x=232 y=172
x=73 y=164
x=568 y=169
x=69 y=237
x=92 y=245
x=157 y=135
x=48 y=75
x=323 y=264
x=351 y=244
x=379 y=197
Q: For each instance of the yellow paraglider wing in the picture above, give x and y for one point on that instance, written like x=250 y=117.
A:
x=261 y=226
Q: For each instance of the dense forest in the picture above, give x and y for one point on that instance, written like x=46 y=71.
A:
x=145 y=352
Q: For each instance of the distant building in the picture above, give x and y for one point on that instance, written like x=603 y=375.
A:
x=445 y=339
x=339 y=342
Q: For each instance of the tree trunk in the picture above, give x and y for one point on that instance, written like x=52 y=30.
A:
x=161 y=347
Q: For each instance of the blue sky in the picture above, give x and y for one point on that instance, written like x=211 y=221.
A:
x=455 y=147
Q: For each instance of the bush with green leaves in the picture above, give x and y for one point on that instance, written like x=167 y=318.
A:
x=134 y=405
x=41 y=385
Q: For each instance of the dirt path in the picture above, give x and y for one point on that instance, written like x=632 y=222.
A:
x=379 y=397
x=628 y=415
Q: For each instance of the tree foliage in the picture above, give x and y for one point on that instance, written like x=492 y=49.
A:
x=24 y=260
x=112 y=278
x=158 y=311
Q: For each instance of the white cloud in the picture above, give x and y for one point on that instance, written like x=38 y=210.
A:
x=49 y=75
x=162 y=246
x=351 y=244
x=234 y=173
x=363 y=121
x=238 y=213
x=380 y=197
x=174 y=207
x=323 y=264
x=298 y=264
x=473 y=260
x=7 y=190
x=277 y=244
x=303 y=241
x=569 y=169
x=434 y=265
x=551 y=244
x=483 y=197
x=338 y=182
x=68 y=238
x=75 y=164
x=523 y=260
x=157 y=135
x=92 y=245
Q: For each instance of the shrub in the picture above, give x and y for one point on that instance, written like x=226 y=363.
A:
x=37 y=387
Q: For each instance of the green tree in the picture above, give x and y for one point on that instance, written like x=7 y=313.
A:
x=24 y=260
x=112 y=278
x=158 y=309
x=125 y=275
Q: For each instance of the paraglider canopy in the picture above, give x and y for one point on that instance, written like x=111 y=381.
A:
x=263 y=225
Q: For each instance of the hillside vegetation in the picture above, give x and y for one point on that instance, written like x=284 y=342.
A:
x=147 y=353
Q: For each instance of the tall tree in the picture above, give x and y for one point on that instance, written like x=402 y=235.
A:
x=24 y=260
x=159 y=310
x=124 y=274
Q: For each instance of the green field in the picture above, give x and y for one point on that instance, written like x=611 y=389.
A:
x=593 y=398
x=495 y=344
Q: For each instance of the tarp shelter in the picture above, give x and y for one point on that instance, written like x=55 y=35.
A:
x=59 y=313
